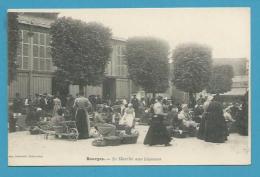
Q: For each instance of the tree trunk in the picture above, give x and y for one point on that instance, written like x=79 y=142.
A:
x=154 y=94
x=191 y=100
x=81 y=89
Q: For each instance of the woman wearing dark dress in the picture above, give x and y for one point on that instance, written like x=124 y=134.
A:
x=201 y=131
x=81 y=105
x=157 y=133
x=243 y=117
x=215 y=128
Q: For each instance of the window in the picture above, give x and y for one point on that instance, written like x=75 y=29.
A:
x=48 y=52
x=34 y=49
x=42 y=55
x=35 y=38
x=48 y=64
x=25 y=37
x=25 y=62
x=19 y=61
x=121 y=68
x=25 y=46
x=35 y=63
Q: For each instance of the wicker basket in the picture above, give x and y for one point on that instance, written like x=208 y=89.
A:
x=34 y=130
x=98 y=143
x=112 y=140
x=59 y=129
x=129 y=139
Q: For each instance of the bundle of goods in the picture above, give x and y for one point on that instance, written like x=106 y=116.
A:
x=116 y=108
x=98 y=142
x=129 y=138
x=34 y=130
x=112 y=140
x=94 y=133
x=121 y=127
x=180 y=134
x=107 y=141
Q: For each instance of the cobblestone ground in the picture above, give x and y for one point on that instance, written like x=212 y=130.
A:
x=26 y=149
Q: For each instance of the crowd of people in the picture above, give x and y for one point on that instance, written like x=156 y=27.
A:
x=210 y=119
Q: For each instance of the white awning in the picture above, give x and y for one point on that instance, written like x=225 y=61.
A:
x=236 y=92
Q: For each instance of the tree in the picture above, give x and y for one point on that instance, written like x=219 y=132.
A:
x=147 y=60
x=13 y=40
x=221 y=79
x=80 y=50
x=192 y=67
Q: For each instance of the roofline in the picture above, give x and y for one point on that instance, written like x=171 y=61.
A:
x=118 y=39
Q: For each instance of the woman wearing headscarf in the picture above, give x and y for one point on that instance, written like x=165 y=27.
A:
x=215 y=129
x=56 y=105
x=157 y=133
x=128 y=117
x=81 y=105
x=104 y=128
x=186 y=118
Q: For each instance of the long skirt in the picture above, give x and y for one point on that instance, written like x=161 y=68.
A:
x=55 y=110
x=82 y=124
x=216 y=130
x=213 y=129
x=106 y=129
x=157 y=133
x=201 y=132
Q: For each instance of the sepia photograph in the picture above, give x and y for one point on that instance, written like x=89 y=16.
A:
x=129 y=86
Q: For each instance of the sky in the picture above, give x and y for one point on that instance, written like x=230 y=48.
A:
x=225 y=30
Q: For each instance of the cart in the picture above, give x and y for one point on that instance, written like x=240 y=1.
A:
x=66 y=129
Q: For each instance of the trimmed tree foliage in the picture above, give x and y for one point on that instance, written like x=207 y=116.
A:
x=192 y=67
x=80 y=50
x=147 y=60
x=13 y=40
x=221 y=79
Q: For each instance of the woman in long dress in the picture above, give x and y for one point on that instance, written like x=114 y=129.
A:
x=56 y=106
x=128 y=117
x=105 y=129
x=202 y=127
x=157 y=133
x=215 y=125
x=81 y=105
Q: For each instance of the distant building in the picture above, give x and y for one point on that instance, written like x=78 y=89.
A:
x=35 y=72
x=241 y=76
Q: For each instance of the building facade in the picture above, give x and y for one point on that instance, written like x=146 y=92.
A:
x=35 y=68
x=116 y=84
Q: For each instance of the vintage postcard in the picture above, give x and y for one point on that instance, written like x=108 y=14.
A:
x=139 y=86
